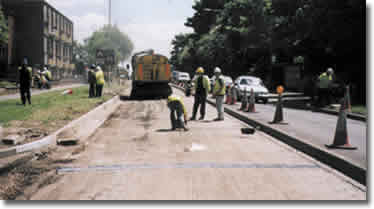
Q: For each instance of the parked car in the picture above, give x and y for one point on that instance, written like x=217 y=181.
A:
x=247 y=83
x=228 y=81
x=183 y=77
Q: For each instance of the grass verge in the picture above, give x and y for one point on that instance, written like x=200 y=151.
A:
x=48 y=113
x=360 y=110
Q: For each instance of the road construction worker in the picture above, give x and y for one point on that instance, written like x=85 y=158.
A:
x=325 y=82
x=219 y=92
x=202 y=89
x=100 y=81
x=92 y=81
x=47 y=74
x=25 y=77
x=47 y=77
x=177 y=111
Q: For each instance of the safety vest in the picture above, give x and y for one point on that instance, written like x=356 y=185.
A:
x=100 y=78
x=48 y=75
x=29 y=69
x=178 y=99
x=206 y=84
x=220 y=83
x=324 y=81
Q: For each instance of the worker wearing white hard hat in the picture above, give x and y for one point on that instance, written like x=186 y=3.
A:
x=219 y=92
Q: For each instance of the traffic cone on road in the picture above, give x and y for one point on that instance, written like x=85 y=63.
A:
x=244 y=105
x=341 y=140
x=348 y=99
x=233 y=96
x=228 y=96
x=252 y=103
x=278 y=117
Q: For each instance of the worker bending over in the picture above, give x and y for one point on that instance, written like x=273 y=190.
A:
x=177 y=111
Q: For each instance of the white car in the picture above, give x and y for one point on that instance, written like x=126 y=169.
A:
x=228 y=80
x=247 y=83
x=183 y=77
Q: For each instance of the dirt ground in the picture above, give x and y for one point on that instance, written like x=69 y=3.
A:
x=134 y=156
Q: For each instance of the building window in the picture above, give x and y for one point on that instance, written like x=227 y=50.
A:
x=45 y=14
x=50 y=47
x=58 y=50
x=49 y=20
x=45 y=43
x=54 y=21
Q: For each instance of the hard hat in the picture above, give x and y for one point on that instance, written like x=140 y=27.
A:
x=45 y=68
x=98 y=68
x=200 y=70
x=330 y=70
x=217 y=70
x=93 y=66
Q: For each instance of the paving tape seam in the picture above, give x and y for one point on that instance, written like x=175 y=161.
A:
x=184 y=165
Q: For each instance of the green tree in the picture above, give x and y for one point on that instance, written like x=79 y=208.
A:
x=3 y=28
x=109 y=37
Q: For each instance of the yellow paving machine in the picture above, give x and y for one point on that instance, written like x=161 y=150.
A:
x=151 y=76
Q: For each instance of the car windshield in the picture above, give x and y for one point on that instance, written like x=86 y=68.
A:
x=249 y=82
x=246 y=82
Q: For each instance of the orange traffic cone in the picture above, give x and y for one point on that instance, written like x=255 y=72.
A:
x=341 y=140
x=233 y=96
x=252 y=103
x=228 y=96
x=278 y=117
x=244 y=105
x=348 y=99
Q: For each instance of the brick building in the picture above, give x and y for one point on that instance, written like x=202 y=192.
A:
x=39 y=32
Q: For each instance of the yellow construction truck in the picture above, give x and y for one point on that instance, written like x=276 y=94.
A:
x=151 y=76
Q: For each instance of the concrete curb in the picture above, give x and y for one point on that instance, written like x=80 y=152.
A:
x=333 y=160
x=84 y=127
x=349 y=115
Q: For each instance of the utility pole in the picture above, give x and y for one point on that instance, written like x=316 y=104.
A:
x=110 y=12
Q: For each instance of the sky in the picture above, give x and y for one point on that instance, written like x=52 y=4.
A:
x=148 y=23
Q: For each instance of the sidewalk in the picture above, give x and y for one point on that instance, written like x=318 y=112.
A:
x=37 y=92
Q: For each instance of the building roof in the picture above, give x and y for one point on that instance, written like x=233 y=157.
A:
x=18 y=2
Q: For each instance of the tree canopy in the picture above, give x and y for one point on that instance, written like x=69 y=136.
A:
x=3 y=28
x=109 y=37
x=240 y=34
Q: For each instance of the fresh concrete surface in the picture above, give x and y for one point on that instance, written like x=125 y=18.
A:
x=137 y=135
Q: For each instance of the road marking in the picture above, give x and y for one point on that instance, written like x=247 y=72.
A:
x=184 y=165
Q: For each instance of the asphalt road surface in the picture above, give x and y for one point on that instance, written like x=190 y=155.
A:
x=316 y=128
x=134 y=157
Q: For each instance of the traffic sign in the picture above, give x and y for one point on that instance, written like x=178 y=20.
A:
x=105 y=57
x=100 y=54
